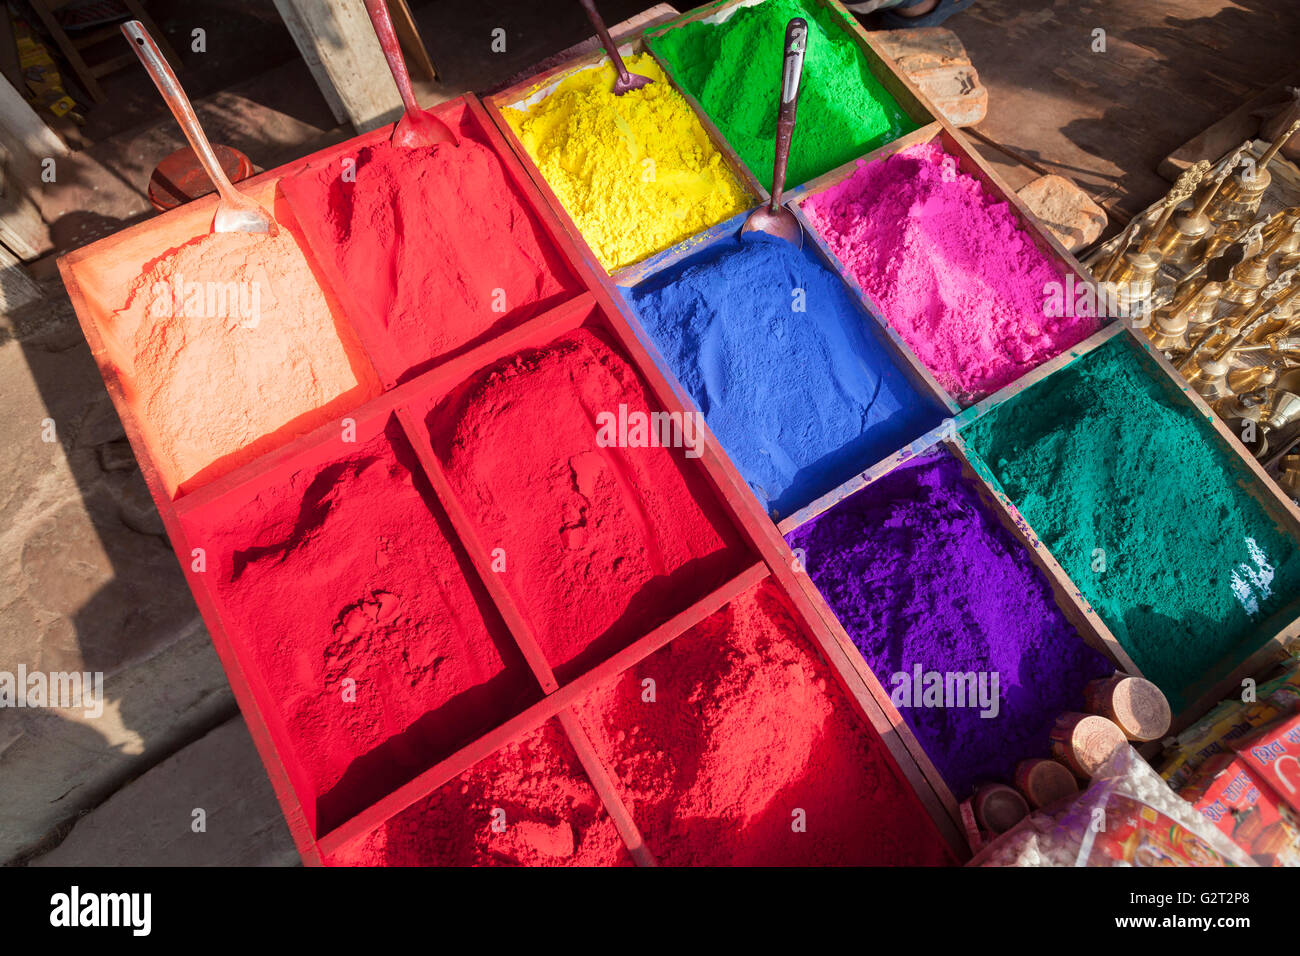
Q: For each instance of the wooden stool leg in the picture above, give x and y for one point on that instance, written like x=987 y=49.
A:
x=66 y=46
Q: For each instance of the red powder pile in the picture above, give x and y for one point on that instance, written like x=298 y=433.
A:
x=746 y=729
x=437 y=247
x=601 y=544
x=343 y=573
x=529 y=804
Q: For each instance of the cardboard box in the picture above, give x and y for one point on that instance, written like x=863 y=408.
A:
x=1273 y=756
x=1226 y=792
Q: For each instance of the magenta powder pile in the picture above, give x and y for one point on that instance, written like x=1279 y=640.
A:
x=950 y=266
x=921 y=574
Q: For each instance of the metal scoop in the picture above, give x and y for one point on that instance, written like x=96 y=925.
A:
x=775 y=219
x=626 y=82
x=235 y=211
x=416 y=128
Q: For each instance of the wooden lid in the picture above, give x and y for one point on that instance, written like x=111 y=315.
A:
x=1140 y=709
x=1045 y=781
x=1083 y=741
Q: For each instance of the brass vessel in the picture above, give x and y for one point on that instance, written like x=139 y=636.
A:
x=1241 y=193
x=1125 y=264
x=1245 y=281
x=1191 y=226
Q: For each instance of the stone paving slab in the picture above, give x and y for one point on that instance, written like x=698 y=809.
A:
x=88 y=582
x=216 y=783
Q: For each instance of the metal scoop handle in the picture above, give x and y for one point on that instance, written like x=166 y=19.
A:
x=160 y=72
x=796 y=43
x=383 y=24
x=606 y=40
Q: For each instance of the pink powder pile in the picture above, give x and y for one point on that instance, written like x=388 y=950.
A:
x=951 y=267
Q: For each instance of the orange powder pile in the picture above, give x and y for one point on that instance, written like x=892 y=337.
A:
x=229 y=348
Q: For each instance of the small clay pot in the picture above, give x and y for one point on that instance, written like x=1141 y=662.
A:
x=998 y=807
x=1043 y=782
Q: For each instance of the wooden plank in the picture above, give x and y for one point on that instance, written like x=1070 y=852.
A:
x=17 y=288
x=479 y=554
x=720 y=142
x=945 y=429
x=412 y=44
x=22 y=230
x=603 y=784
x=337 y=40
x=23 y=132
x=833 y=177
x=1068 y=595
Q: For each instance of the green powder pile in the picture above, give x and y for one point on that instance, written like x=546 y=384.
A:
x=1148 y=517
x=734 y=69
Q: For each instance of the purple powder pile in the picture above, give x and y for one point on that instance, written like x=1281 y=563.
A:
x=920 y=573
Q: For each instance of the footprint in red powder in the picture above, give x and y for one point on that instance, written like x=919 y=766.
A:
x=380 y=608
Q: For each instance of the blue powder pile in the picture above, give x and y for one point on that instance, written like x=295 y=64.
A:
x=775 y=351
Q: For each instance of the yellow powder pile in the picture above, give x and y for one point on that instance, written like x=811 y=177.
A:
x=636 y=172
x=229 y=348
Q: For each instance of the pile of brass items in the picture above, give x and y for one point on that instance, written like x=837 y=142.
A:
x=1216 y=287
x=1133 y=266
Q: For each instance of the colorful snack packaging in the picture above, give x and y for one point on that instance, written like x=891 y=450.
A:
x=1273 y=756
x=1226 y=792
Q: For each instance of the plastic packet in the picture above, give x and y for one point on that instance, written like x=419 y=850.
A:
x=1128 y=816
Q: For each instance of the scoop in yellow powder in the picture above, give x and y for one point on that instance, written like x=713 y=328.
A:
x=636 y=172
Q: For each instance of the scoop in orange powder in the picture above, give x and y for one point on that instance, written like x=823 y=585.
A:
x=229 y=348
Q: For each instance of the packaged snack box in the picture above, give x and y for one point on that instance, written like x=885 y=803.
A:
x=1273 y=756
x=1225 y=792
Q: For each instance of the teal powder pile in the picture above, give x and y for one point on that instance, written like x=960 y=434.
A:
x=1147 y=516
x=734 y=69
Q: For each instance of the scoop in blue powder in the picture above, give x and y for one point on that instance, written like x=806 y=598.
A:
x=778 y=355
